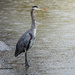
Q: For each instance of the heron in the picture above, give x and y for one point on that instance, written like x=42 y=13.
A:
x=26 y=41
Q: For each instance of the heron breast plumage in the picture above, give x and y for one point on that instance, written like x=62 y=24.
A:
x=34 y=32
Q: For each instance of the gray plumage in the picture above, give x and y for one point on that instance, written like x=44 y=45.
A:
x=27 y=39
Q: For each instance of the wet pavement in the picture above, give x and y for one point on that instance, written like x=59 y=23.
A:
x=54 y=50
x=5 y=69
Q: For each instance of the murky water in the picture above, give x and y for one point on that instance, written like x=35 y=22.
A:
x=54 y=49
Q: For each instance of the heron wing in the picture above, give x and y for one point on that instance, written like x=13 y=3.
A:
x=22 y=43
x=27 y=40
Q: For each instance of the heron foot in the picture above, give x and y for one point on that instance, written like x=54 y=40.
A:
x=26 y=65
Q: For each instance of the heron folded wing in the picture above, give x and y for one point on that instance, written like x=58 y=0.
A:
x=22 y=44
x=27 y=39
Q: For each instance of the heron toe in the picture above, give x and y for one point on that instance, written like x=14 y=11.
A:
x=26 y=65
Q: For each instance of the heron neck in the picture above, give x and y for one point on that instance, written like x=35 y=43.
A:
x=33 y=19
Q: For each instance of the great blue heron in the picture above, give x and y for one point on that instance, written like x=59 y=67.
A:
x=27 y=39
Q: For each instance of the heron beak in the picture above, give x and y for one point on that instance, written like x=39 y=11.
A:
x=42 y=8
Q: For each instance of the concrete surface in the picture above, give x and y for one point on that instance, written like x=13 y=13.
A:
x=5 y=68
x=4 y=47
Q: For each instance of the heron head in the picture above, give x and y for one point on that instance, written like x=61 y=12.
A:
x=38 y=8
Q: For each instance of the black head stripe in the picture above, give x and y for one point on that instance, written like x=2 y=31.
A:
x=34 y=6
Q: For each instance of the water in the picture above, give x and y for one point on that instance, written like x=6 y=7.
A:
x=54 y=49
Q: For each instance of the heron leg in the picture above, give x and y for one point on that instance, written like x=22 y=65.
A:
x=26 y=62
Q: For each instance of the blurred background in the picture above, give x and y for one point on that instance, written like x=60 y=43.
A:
x=54 y=50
